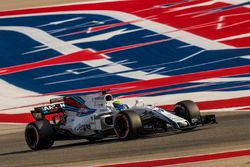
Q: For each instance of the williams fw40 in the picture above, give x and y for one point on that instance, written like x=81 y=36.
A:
x=94 y=117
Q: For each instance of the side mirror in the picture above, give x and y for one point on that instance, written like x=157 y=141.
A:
x=139 y=102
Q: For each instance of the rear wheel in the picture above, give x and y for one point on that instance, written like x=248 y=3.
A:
x=188 y=110
x=39 y=135
x=127 y=124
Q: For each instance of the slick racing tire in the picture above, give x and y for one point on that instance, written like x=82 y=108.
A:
x=126 y=124
x=188 y=110
x=39 y=135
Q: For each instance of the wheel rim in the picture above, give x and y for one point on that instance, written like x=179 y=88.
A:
x=181 y=111
x=121 y=126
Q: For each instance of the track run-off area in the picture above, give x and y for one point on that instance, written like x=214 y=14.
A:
x=160 y=51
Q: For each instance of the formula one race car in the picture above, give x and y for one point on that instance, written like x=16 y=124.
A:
x=94 y=117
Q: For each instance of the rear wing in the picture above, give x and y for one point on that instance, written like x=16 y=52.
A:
x=39 y=113
x=58 y=105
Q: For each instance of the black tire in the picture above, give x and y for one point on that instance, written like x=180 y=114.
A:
x=39 y=135
x=126 y=125
x=188 y=110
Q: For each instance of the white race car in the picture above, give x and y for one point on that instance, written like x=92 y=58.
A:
x=97 y=116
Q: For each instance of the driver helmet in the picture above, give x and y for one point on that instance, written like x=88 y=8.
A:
x=119 y=105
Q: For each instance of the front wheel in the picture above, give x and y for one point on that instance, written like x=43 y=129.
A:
x=126 y=124
x=188 y=110
x=39 y=135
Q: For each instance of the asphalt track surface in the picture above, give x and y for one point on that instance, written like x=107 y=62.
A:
x=231 y=133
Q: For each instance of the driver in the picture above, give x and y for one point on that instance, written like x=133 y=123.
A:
x=119 y=105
